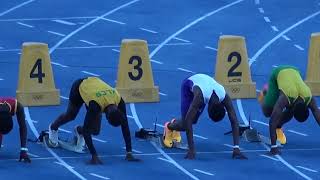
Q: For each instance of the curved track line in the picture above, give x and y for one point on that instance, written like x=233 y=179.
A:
x=15 y=7
x=264 y=47
x=34 y=130
x=253 y=59
x=132 y=106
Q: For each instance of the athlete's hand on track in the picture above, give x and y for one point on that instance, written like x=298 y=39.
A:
x=24 y=157
x=95 y=160
x=237 y=154
x=274 y=151
x=191 y=154
x=130 y=157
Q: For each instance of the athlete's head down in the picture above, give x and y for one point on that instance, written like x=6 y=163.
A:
x=114 y=116
x=216 y=109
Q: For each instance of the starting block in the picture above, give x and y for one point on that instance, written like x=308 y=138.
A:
x=156 y=137
x=67 y=145
x=252 y=135
x=176 y=145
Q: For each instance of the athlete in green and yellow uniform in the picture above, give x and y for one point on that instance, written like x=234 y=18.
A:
x=98 y=98
x=287 y=96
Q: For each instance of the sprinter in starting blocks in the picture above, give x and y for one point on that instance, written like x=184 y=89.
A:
x=285 y=97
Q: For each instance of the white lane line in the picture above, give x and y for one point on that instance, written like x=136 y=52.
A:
x=61 y=164
x=64 y=130
x=267 y=19
x=56 y=33
x=269 y=157
x=99 y=140
x=274 y=66
x=64 y=22
x=33 y=155
x=131 y=117
x=299 y=47
x=257 y=2
x=231 y=146
x=308 y=169
x=115 y=50
x=298 y=133
x=265 y=46
x=16 y=7
x=274 y=28
x=99 y=176
x=114 y=21
x=286 y=37
x=261 y=10
x=58 y=64
x=203 y=172
x=88 y=42
x=1 y=79
x=24 y=24
x=48 y=19
x=163 y=159
x=185 y=70
x=34 y=121
x=1 y=47
x=183 y=40
x=163 y=94
x=134 y=150
x=208 y=47
x=89 y=23
x=259 y=122
x=92 y=74
x=63 y=97
x=157 y=62
x=138 y=123
x=36 y=134
x=148 y=30
x=198 y=136
x=103 y=46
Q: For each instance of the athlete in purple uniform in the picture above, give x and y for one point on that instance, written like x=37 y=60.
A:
x=197 y=91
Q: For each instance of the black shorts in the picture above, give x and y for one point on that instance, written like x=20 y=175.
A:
x=74 y=95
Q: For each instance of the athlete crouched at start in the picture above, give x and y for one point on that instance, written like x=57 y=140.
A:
x=197 y=91
x=8 y=108
x=98 y=98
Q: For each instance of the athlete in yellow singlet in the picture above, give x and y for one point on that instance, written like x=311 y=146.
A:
x=98 y=98
x=287 y=96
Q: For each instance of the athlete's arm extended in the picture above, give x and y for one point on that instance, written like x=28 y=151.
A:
x=93 y=112
x=235 y=127
x=191 y=117
x=233 y=119
x=314 y=109
x=23 y=133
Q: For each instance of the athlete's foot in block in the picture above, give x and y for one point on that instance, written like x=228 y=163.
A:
x=167 y=136
x=176 y=134
x=281 y=137
x=53 y=137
